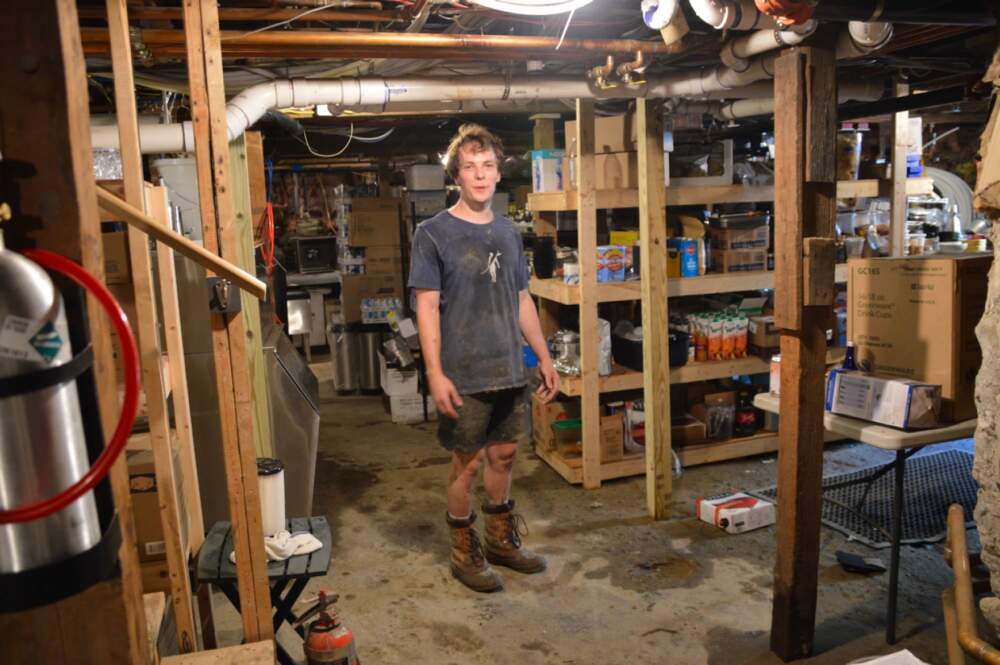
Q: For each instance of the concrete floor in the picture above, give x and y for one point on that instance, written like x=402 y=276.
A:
x=619 y=589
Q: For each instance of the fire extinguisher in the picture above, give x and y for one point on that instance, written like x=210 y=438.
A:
x=57 y=519
x=327 y=639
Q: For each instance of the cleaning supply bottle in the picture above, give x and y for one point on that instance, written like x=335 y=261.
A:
x=850 y=362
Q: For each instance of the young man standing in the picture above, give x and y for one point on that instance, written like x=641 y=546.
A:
x=471 y=282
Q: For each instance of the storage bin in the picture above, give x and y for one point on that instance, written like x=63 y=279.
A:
x=628 y=353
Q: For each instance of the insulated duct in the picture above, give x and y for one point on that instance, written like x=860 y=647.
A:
x=736 y=51
x=863 y=91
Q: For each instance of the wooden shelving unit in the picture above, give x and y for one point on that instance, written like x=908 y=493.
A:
x=554 y=292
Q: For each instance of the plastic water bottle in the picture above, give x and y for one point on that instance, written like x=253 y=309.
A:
x=850 y=362
x=531 y=367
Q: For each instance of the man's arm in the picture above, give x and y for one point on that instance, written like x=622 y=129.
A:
x=531 y=328
x=445 y=395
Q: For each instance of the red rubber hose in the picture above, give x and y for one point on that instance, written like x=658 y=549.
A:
x=130 y=360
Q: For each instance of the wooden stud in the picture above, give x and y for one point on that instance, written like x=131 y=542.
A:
x=47 y=178
x=900 y=133
x=653 y=266
x=240 y=185
x=586 y=231
x=228 y=334
x=802 y=83
x=175 y=542
x=544 y=131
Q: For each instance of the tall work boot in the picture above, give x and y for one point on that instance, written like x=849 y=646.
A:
x=504 y=529
x=468 y=565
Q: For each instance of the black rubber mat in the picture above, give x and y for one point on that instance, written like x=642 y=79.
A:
x=932 y=483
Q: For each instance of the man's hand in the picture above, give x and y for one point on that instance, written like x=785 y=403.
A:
x=445 y=395
x=549 y=386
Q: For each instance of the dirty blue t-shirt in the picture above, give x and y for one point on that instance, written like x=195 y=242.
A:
x=480 y=271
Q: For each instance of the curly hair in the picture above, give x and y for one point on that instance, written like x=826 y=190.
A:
x=474 y=135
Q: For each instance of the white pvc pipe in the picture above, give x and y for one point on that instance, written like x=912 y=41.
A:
x=731 y=14
x=736 y=51
x=865 y=91
x=861 y=38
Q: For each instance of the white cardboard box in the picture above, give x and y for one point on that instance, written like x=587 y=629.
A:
x=735 y=513
x=894 y=402
x=409 y=409
x=398 y=382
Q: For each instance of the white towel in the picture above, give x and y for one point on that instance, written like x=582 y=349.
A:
x=284 y=545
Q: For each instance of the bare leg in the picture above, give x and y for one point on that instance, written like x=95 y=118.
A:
x=461 y=481
x=497 y=475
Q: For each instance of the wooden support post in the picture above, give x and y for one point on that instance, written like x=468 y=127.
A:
x=208 y=114
x=544 y=131
x=46 y=177
x=653 y=266
x=805 y=207
x=586 y=232
x=240 y=176
x=175 y=542
x=900 y=133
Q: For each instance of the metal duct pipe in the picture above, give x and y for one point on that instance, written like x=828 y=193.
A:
x=736 y=51
x=731 y=14
x=905 y=11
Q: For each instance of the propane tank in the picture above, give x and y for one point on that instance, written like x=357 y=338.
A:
x=327 y=639
x=42 y=443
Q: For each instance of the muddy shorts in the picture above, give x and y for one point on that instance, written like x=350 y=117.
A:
x=502 y=415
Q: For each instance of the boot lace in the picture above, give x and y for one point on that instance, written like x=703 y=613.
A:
x=475 y=548
x=516 y=527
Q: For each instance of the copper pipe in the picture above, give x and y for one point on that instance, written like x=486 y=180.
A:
x=957 y=554
x=337 y=4
x=250 y=15
x=292 y=43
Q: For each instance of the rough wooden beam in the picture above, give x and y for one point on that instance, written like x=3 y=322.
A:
x=586 y=230
x=804 y=85
x=655 y=343
x=46 y=176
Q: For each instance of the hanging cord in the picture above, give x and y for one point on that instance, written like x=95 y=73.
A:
x=267 y=248
x=305 y=141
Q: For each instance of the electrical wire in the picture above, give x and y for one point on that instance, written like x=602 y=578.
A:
x=569 y=19
x=272 y=26
x=362 y=139
x=305 y=141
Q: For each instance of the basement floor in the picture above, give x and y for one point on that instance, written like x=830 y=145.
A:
x=620 y=588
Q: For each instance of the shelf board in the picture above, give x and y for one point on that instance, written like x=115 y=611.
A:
x=569 y=294
x=623 y=378
x=718 y=451
x=571 y=468
x=694 y=195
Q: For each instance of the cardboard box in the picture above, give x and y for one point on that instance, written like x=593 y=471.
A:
x=543 y=415
x=146 y=503
x=763 y=333
x=398 y=382
x=409 y=409
x=614 y=170
x=610 y=263
x=547 y=170
x=735 y=513
x=684 y=257
x=420 y=177
x=893 y=402
x=353 y=288
x=373 y=222
x=612 y=438
x=384 y=260
x=624 y=238
x=614 y=133
x=155 y=576
x=686 y=430
x=740 y=260
x=117 y=265
x=752 y=238
x=915 y=318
